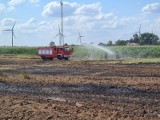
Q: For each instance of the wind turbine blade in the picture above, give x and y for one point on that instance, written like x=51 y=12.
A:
x=79 y=34
x=13 y=25
x=140 y=30
x=56 y=36
x=61 y=34
x=59 y=29
x=7 y=30
x=14 y=35
x=78 y=38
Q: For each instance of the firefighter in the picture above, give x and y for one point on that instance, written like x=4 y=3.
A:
x=117 y=55
x=105 y=56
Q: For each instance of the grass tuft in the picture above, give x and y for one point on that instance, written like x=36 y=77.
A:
x=25 y=76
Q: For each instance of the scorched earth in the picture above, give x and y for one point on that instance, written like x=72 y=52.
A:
x=47 y=90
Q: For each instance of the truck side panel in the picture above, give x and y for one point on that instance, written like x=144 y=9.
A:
x=47 y=52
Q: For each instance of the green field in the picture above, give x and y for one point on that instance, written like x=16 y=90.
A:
x=125 y=52
x=132 y=53
x=138 y=51
x=18 y=50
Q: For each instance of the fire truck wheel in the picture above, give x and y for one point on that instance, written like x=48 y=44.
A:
x=51 y=58
x=66 y=58
x=59 y=57
x=44 y=57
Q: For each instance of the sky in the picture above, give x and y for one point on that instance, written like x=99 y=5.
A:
x=99 y=21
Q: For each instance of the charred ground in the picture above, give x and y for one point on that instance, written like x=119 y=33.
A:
x=34 y=89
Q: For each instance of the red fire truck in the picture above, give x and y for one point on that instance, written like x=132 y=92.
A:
x=59 y=52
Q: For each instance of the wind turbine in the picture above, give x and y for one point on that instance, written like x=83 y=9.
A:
x=60 y=36
x=152 y=36
x=79 y=38
x=140 y=31
x=140 y=34
x=62 y=39
x=12 y=30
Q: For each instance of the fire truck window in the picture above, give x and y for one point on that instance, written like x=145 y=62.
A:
x=67 y=49
x=54 y=49
x=50 y=52
x=39 y=51
x=47 y=51
x=43 y=51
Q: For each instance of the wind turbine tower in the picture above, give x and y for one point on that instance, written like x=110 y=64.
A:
x=140 y=34
x=140 y=31
x=60 y=36
x=79 y=38
x=12 y=30
x=62 y=39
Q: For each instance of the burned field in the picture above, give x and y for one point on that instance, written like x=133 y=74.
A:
x=44 y=90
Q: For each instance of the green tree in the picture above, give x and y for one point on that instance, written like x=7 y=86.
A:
x=110 y=43
x=149 y=39
x=136 y=39
x=121 y=42
x=102 y=44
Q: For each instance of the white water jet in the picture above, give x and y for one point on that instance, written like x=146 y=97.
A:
x=104 y=49
x=94 y=54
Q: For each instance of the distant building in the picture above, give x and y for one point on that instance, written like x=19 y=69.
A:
x=132 y=44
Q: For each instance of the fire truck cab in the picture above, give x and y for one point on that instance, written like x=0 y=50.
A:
x=59 y=52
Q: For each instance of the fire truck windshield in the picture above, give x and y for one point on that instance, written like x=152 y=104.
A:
x=67 y=49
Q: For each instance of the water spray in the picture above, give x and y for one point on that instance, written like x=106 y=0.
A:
x=94 y=52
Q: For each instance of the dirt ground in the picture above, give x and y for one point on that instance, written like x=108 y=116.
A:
x=32 y=89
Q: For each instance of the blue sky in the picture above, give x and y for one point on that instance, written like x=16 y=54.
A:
x=97 y=20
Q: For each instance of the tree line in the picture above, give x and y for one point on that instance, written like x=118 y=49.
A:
x=137 y=39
